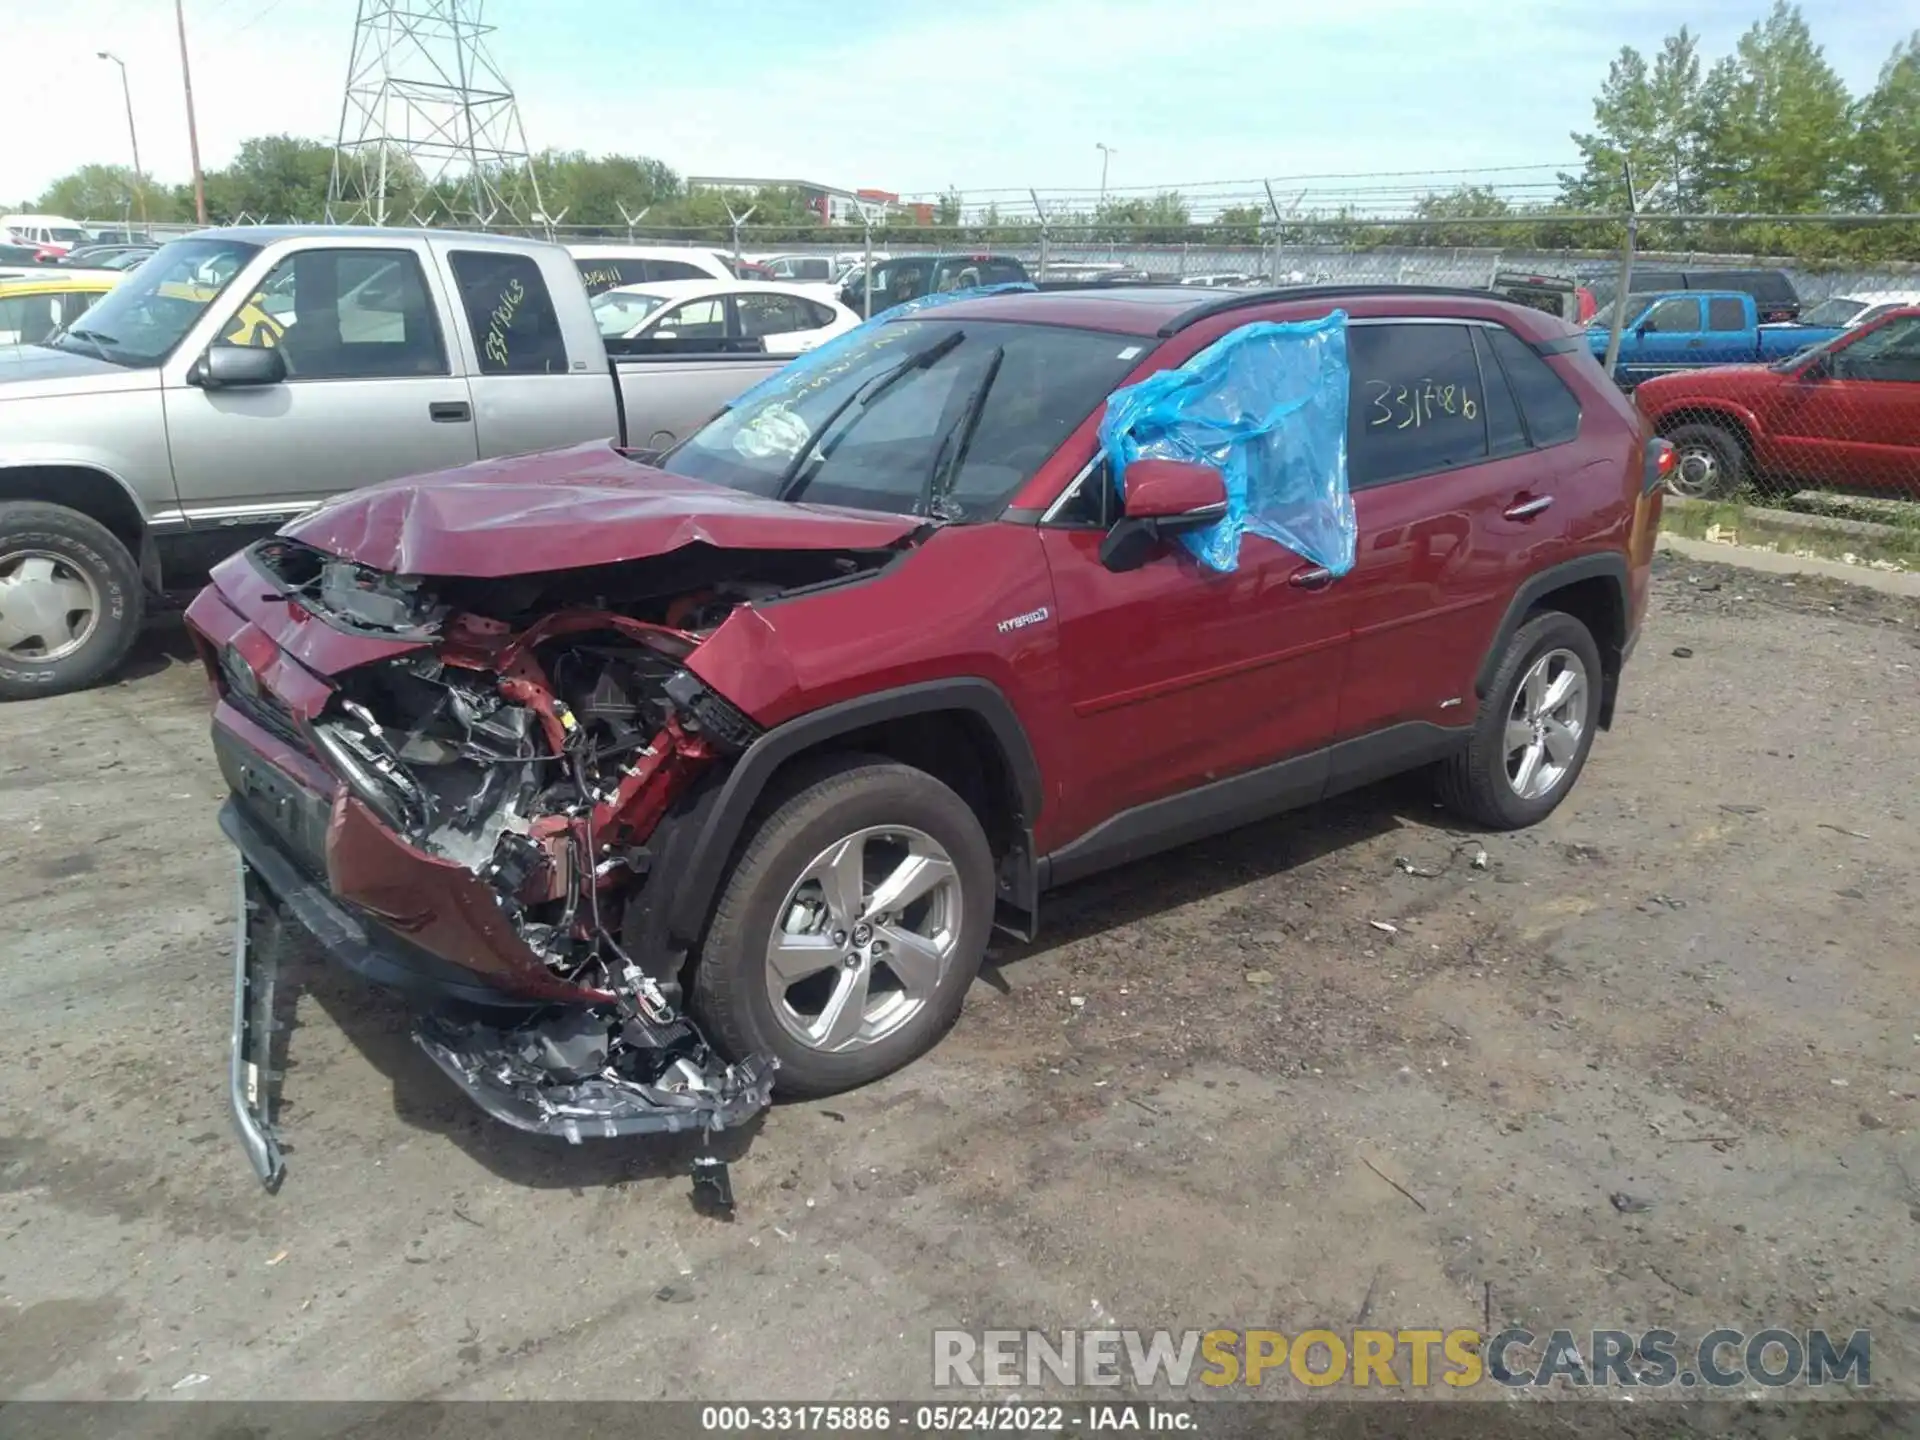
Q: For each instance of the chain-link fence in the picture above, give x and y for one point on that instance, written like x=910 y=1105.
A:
x=1787 y=370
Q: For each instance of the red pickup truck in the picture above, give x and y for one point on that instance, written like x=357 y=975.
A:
x=675 y=769
x=1845 y=413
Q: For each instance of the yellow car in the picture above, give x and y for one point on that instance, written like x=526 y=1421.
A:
x=33 y=307
x=253 y=324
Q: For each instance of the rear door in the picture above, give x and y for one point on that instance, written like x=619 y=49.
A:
x=1731 y=337
x=1668 y=337
x=1447 y=487
x=371 y=393
x=538 y=371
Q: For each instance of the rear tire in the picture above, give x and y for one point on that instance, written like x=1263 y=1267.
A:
x=802 y=933
x=1710 y=463
x=70 y=600
x=1489 y=781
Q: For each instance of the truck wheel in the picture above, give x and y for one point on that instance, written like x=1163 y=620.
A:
x=1535 y=727
x=850 y=929
x=1709 y=462
x=70 y=600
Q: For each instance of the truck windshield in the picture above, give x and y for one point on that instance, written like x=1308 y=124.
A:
x=939 y=417
x=142 y=320
x=1836 y=311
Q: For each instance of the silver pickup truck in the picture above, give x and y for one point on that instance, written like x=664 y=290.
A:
x=243 y=376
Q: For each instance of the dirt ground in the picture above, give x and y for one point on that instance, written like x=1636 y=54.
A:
x=1215 y=1094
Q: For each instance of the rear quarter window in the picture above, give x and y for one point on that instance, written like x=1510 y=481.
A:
x=1548 y=408
x=515 y=328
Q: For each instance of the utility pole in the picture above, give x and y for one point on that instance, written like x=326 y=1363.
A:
x=1107 y=152
x=193 y=130
x=139 y=176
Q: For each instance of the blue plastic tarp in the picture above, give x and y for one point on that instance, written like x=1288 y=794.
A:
x=817 y=361
x=1266 y=406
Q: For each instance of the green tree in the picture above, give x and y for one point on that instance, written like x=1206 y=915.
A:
x=1775 y=122
x=273 y=177
x=1649 y=115
x=103 y=192
x=590 y=190
x=1886 y=146
x=947 y=211
x=1237 y=225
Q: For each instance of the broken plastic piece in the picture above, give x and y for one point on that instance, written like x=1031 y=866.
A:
x=1266 y=406
x=713 y=1186
x=249 y=1071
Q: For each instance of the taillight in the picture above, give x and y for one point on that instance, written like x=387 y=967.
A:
x=1661 y=458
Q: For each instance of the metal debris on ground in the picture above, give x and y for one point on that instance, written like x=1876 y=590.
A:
x=713 y=1187
x=1424 y=872
x=1682 y=652
x=1841 y=830
x=1480 y=859
x=1387 y=925
x=1629 y=1204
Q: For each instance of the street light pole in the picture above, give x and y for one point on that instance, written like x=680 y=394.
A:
x=1107 y=152
x=193 y=131
x=139 y=176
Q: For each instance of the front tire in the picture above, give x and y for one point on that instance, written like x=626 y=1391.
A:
x=1535 y=728
x=1710 y=463
x=70 y=600
x=850 y=929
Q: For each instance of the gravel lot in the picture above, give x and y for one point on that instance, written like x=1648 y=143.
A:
x=1694 y=986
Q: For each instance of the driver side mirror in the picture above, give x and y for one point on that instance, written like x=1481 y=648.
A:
x=1163 y=498
x=226 y=367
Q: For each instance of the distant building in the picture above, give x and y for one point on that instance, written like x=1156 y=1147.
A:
x=831 y=203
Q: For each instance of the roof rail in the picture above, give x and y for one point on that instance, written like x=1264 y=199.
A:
x=1245 y=299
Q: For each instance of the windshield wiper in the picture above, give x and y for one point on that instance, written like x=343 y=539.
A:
x=790 y=478
x=959 y=436
x=98 y=341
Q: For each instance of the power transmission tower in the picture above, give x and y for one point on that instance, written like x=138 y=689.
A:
x=429 y=126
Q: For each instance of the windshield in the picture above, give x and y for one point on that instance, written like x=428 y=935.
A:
x=1837 y=311
x=618 y=311
x=62 y=235
x=142 y=319
x=939 y=417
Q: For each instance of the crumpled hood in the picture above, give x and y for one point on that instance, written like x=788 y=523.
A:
x=566 y=509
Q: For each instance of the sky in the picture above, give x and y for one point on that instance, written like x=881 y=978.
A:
x=910 y=96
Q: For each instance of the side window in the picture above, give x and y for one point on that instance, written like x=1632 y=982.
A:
x=675 y=270
x=1505 y=434
x=27 y=319
x=1002 y=272
x=1672 y=315
x=1088 y=502
x=515 y=329
x=818 y=315
x=695 y=320
x=345 y=315
x=772 y=315
x=1550 y=411
x=1726 y=313
x=1891 y=353
x=1416 y=405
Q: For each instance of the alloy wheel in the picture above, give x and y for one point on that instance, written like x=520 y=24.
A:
x=1696 y=473
x=863 y=938
x=1545 y=723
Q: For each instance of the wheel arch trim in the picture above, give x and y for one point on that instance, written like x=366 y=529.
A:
x=1534 y=588
x=724 y=821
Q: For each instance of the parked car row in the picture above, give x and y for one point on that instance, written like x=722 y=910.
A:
x=1692 y=329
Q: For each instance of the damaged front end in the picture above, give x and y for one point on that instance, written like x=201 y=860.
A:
x=499 y=774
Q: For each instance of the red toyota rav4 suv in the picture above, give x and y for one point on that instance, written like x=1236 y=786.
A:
x=778 y=724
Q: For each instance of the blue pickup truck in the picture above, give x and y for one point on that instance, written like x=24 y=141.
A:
x=1690 y=329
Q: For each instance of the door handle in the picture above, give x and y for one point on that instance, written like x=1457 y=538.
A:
x=451 y=412
x=1527 y=509
x=1311 y=577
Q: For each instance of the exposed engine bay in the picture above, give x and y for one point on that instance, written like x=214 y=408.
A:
x=503 y=780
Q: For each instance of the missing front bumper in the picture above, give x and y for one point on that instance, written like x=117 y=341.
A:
x=570 y=1071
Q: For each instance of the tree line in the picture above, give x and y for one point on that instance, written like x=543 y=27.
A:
x=1768 y=129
